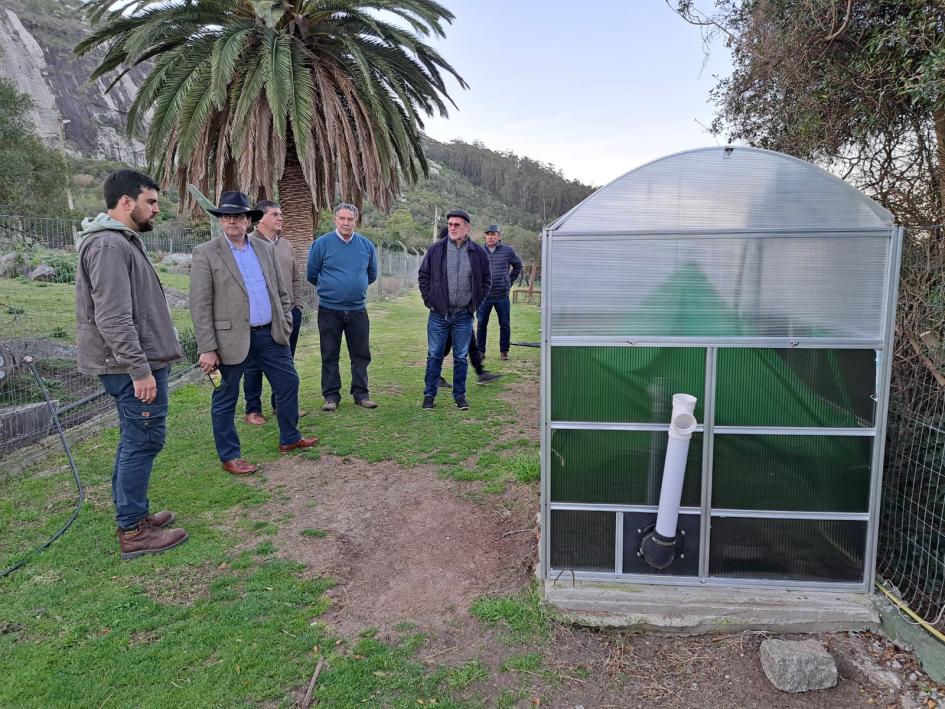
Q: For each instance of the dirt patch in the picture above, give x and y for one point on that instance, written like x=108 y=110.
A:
x=403 y=545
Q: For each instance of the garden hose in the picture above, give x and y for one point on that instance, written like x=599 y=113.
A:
x=75 y=472
x=902 y=606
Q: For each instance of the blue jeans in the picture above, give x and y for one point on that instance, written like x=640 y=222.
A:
x=253 y=376
x=275 y=361
x=439 y=329
x=143 y=429
x=503 y=308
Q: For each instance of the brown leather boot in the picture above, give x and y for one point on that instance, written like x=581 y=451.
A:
x=145 y=538
x=160 y=519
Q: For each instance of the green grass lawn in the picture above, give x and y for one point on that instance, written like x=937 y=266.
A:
x=206 y=625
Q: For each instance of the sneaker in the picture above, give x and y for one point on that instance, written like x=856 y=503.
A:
x=486 y=376
x=329 y=405
x=443 y=384
x=462 y=404
x=366 y=404
x=145 y=538
x=428 y=403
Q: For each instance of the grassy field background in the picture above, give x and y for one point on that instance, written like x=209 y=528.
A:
x=216 y=624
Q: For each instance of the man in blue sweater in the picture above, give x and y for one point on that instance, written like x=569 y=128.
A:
x=502 y=258
x=341 y=265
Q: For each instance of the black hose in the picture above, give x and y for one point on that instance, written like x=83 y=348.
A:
x=75 y=473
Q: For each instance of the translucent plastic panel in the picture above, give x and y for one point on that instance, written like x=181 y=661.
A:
x=787 y=549
x=617 y=467
x=739 y=188
x=623 y=384
x=791 y=286
x=791 y=473
x=796 y=387
x=583 y=541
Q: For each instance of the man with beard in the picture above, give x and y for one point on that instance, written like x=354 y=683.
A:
x=241 y=311
x=125 y=336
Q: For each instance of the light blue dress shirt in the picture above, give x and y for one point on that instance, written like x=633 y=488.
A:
x=260 y=307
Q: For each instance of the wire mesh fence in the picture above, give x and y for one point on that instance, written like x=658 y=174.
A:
x=911 y=554
x=37 y=273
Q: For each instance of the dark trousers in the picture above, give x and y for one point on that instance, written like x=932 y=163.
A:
x=275 y=361
x=457 y=326
x=356 y=328
x=253 y=375
x=143 y=429
x=503 y=308
x=475 y=356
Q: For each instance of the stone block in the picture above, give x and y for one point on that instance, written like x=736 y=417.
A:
x=43 y=272
x=798 y=665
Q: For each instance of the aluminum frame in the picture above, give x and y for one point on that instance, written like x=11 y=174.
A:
x=707 y=427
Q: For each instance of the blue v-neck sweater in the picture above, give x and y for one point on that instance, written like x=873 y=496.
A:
x=341 y=272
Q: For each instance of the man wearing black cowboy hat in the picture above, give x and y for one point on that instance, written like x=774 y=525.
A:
x=241 y=310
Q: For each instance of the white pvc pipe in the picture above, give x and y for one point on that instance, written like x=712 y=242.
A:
x=682 y=423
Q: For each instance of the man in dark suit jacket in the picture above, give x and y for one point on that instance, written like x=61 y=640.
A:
x=453 y=279
x=241 y=310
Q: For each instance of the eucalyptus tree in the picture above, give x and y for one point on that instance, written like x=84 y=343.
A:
x=305 y=100
x=856 y=83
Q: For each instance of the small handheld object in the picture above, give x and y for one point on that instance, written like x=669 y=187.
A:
x=215 y=377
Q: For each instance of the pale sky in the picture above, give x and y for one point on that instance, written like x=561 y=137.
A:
x=595 y=88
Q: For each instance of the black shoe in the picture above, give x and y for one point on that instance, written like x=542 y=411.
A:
x=485 y=376
x=462 y=404
x=428 y=403
x=443 y=384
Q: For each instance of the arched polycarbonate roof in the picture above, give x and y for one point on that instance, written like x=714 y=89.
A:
x=724 y=188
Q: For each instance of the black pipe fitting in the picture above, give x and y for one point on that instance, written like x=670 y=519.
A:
x=658 y=551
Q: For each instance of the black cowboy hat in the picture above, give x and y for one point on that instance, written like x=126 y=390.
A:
x=236 y=203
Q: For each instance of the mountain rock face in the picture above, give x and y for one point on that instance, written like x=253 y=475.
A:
x=36 y=41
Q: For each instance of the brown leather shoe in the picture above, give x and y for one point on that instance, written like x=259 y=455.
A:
x=301 y=443
x=367 y=404
x=504 y=356
x=238 y=466
x=329 y=405
x=160 y=519
x=254 y=419
x=301 y=413
x=145 y=538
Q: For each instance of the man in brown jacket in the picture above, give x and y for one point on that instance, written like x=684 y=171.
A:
x=269 y=227
x=242 y=315
x=125 y=336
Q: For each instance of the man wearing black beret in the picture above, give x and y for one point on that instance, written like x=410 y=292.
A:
x=453 y=279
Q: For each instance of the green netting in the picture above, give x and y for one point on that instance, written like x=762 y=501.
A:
x=623 y=384
x=617 y=467
x=795 y=473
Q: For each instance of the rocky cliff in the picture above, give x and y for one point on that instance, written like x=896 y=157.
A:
x=36 y=41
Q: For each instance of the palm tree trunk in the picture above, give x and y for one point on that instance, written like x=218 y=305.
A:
x=295 y=198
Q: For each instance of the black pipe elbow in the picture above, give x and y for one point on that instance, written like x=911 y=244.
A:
x=658 y=551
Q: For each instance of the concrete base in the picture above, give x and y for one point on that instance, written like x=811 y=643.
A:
x=697 y=610
x=898 y=627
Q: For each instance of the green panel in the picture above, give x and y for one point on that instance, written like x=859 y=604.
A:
x=624 y=384
x=796 y=387
x=617 y=467
x=583 y=541
x=788 y=549
x=791 y=473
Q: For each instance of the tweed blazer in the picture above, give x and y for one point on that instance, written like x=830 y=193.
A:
x=219 y=304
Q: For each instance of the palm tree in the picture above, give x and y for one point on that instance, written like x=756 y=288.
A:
x=307 y=99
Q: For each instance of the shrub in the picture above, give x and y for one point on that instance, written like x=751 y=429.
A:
x=188 y=343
